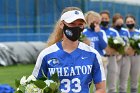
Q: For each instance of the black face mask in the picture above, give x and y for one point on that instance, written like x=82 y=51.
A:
x=104 y=23
x=72 y=33
x=118 y=27
x=92 y=26
x=130 y=26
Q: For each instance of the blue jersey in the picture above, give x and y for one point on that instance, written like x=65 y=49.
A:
x=110 y=32
x=76 y=70
x=98 y=41
x=124 y=33
x=135 y=32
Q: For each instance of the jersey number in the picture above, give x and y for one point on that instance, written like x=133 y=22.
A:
x=68 y=83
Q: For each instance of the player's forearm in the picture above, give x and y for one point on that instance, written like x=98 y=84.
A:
x=100 y=91
x=101 y=87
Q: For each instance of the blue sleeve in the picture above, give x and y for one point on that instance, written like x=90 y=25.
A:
x=102 y=43
x=97 y=71
x=43 y=69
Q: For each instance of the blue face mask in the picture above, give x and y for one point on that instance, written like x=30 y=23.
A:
x=72 y=33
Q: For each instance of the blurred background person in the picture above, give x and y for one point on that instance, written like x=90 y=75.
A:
x=105 y=19
x=112 y=66
x=123 y=59
x=97 y=37
x=134 y=58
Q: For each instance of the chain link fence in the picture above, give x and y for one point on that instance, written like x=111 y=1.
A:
x=33 y=20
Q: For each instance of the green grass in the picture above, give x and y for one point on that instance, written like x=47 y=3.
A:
x=10 y=73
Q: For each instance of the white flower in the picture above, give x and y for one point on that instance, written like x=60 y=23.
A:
x=119 y=40
x=31 y=78
x=116 y=41
x=139 y=45
x=136 y=37
x=23 y=81
x=48 y=82
x=31 y=88
x=17 y=89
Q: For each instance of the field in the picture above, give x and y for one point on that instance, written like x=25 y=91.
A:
x=10 y=73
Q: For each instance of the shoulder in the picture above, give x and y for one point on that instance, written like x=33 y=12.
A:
x=125 y=29
x=51 y=49
x=102 y=31
x=138 y=31
x=85 y=30
x=87 y=48
x=112 y=29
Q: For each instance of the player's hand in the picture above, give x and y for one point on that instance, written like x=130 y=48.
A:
x=97 y=27
x=110 y=51
x=129 y=51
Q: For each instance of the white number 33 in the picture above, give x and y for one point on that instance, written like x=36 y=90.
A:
x=67 y=83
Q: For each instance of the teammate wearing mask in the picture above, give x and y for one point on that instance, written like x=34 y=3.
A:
x=123 y=62
x=76 y=63
x=93 y=32
x=105 y=19
x=112 y=66
x=134 y=58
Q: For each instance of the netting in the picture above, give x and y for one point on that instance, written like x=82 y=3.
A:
x=33 y=20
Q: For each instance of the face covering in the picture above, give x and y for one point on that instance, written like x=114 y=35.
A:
x=72 y=33
x=92 y=26
x=130 y=26
x=104 y=23
x=118 y=27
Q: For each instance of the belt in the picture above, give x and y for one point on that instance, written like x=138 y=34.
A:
x=108 y=55
x=136 y=54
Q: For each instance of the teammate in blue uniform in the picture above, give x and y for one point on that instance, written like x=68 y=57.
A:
x=94 y=33
x=76 y=63
x=134 y=58
x=112 y=67
x=123 y=65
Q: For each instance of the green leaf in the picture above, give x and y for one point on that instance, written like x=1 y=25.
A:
x=55 y=77
x=46 y=90
x=22 y=88
x=43 y=78
x=40 y=84
x=82 y=37
x=19 y=91
x=17 y=83
x=53 y=86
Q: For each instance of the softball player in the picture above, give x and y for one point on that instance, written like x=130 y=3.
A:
x=135 y=58
x=112 y=67
x=76 y=63
x=94 y=33
x=123 y=63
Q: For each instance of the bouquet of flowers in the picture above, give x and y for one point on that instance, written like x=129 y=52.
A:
x=42 y=85
x=117 y=43
x=135 y=43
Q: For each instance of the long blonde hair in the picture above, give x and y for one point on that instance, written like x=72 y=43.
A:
x=93 y=14
x=57 y=33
